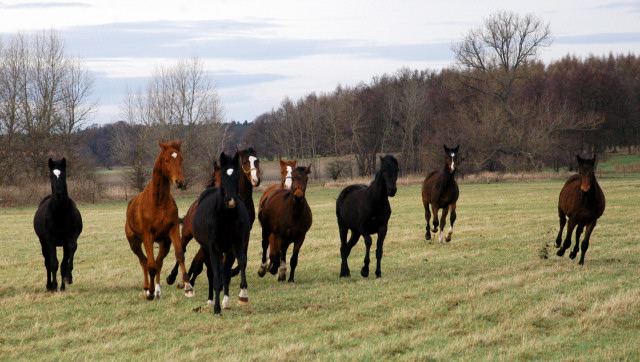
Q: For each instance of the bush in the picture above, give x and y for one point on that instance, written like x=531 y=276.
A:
x=335 y=168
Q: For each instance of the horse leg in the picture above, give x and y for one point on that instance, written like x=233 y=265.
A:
x=195 y=269
x=243 y=297
x=53 y=265
x=434 y=209
x=367 y=243
x=163 y=250
x=266 y=233
x=45 y=254
x=345 y=250
x=382 y=233
x=171 y=278
x=174 y=235
x=229 y=259
x=282 y=269
x=443 y=223
x=207 y=262
x=218 y=275
x=567 y=240
x=576 y=248
x=427 y=217
x=585 y=242
x=136 y=247
x=563 y=221
x=452 y=219
x=64 y=265
x=147 y=241
x=67 y=261
x=294 y=258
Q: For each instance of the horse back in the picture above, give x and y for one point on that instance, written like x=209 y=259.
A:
x=356 y=210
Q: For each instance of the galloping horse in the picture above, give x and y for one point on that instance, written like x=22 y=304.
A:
x=286 y=168
x=285 y=217
x=57 y=222
x=582 y=200
x=365 y=210
x=152 y=216
x=250 y=166
x=221 y=226
x=440 y=191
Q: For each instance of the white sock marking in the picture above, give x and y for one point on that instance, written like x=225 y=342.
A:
x=243 y=293
x=226 y=303
x=211 y=302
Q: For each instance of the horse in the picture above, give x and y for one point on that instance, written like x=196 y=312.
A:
x=440 y=191
x=365 y=210
x=152 y=216
x=221 y=226
x=286 y=167
x=58 y=222
x=582 y=200
x=285 y=217
x=250 y=166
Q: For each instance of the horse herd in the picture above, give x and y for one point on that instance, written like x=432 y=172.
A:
x=221 y=218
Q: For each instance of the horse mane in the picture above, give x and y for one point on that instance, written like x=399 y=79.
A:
x=208 y=190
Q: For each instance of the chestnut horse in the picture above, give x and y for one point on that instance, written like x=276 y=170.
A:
x=221 y=226
x=250 y=166
x=440 y=191
x=286 y=167
x=365 y=210
x=57 y=222
x=285 y=217
x=152 y=216
x=582 y=200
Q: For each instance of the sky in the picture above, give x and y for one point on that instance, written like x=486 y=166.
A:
x=258 y=52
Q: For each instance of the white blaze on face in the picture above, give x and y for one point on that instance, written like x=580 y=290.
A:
x=254 y=171
x=230 y=172
x=288 y=179
x=453 y=162
x=174 y=155
x=57 y=173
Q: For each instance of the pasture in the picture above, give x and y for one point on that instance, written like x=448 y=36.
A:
x=496 y=291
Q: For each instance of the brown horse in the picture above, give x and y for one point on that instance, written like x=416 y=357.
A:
x=250 y=178
x=152 y=216
x=440 y=191
x=582 y=200
x=285 y=217
x=286 y=168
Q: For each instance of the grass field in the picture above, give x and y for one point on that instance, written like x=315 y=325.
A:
x=491 y=293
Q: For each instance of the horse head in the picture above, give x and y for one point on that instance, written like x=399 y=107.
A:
x=286 y=169
x=452 y=157
x=170 y=160
x=229 y=179
x=300 y=177
x=58 y=176
x=586 y=170
x=250 y=165
x=389 y=171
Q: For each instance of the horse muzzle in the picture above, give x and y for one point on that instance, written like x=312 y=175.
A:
x=231 y=203
x=180 y=184
x=392 y=191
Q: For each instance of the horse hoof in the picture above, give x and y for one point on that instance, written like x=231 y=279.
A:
x=226 y=303
x=447 y=239
x=434 y=229
x=210 y=303
x=243 y=297
x=188 y=290
x=262 y=271
x=171 y=279
x=179 y=286
x=158 y=292
x=364 y=272
x=560 y=252
x=572 y=255
x=62 y=287
x=67 y=280
x=282 y=274
x=148 y=294
x=378 y=274
x=427 y=236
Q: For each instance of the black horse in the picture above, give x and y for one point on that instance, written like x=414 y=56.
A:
x=57 y=222
x=365 y=211
x=221 y=226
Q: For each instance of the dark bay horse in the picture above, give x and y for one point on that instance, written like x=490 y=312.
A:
x=221 y=226
x=286 y=168
x=250 y=178
x=440 y=191
x=57 y=222
x=152 y=216
x=285 y=217
x=582 y=200
x=365 y=210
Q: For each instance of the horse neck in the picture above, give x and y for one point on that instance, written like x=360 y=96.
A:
x=245 y=189
x=63 y=203
x=160 y=187
x=448 y=176
x=378 y=188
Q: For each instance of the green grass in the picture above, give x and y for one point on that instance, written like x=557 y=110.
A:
x=615 y=160
x=489 y=294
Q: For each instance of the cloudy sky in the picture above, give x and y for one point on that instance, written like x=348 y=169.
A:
x=257 y=52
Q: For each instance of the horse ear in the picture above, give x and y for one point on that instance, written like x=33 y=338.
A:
x=179 y=144
x=308 y=169
x=446 y=149
x=50 y=164
x=162 y=145
x=593 y=160
x=281 y=162
x=215 y=166
x=222 y=158
x=579 y=159
x=63 y=162
x=455 y=150
x=236 y=158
